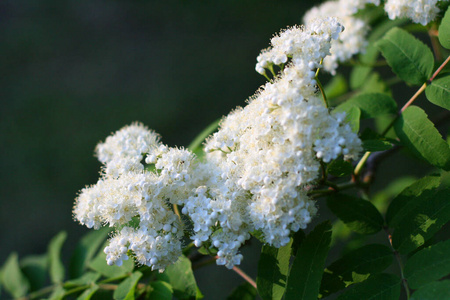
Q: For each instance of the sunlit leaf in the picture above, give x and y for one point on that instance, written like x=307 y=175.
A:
x=422 y=222
x=355 y=266
x=408 y=57
x=428 y=265
x=438 y=92
x=273 y=269
x=407 y=199
x=125 y=290
x=370 y=104
x=161 y=290
x=307 y=269
x=181 y=278
x=418 y=133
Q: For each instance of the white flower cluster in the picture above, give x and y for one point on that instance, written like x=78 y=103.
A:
x=419 y=11
x=254 y=176
x=126 y=191
x=267 y=153
x=353 y=40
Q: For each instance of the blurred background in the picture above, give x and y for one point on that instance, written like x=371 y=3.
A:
x=73 y=71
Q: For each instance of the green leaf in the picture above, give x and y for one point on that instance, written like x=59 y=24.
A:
x=376 y=145
x=418 y=133
x=340 y=168
x=352 y=118
x=13 y=279
x=58 y=293
x=422 y=222
x=370 y=104
x=336 y=87
x=125 y=290
x=355 y=266
x=273 y=269
x=87 y=294
x=408 y=57
x=99 y=264
x=407 y=199
x=444 y=30
x=245 y=291
x=85 y=279
x=56 y=267
x=428 y=265
x=307 y=269
x=35 y=269
x=438 y=92
x=433 y=291
x=380 y=286
x=161 y=291
x=181 y=278
x=196 y=144
x=85 y=251
x=298 y=239
x=359 y=215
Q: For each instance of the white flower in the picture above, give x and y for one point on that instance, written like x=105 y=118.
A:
x=353 y=40
x=124 y=150
x=419 y=11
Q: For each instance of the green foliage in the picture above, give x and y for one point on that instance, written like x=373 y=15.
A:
x=273 y=269
x=126 y=289
x=307 y=269
x=422 y=222
x=410 y=197
x=56 y=266
x=408 y=57
x=87 y=294
x=358 y=214
x=336 y=87
x=13 y=280
x=376 y=145
x=181 y=278
x=381 y=286
x=433 y=291
x=428 y=265
x=161 y=290
x=371 y=105
x=444 y=30
x=438 y=92
x=196 y=145
x=245 y=291
x=99 y=265
x=85 y=251
x=35 y=269
x=356 y=266
x=340 y=168
x=419 y=135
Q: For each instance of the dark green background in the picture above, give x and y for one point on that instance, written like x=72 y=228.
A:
x=74 y=71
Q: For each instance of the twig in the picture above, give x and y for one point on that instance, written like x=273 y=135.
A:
x=400 y=264
x=245 y=276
